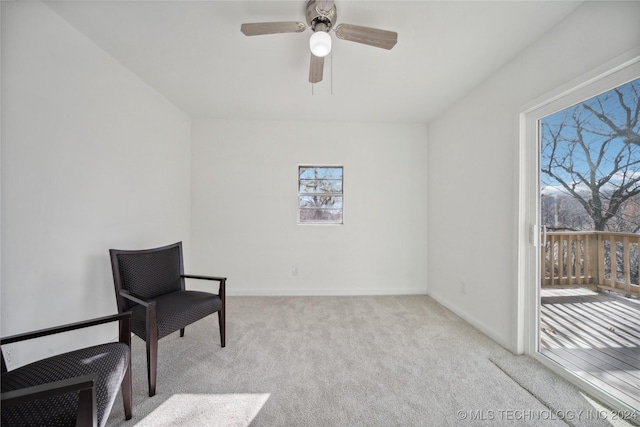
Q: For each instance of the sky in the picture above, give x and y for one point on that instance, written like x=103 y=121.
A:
x=564 y=126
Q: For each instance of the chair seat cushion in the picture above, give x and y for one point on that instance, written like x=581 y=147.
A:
x=175 y=311
x=110 y=361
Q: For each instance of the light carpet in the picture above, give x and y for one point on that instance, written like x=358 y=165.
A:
x=336 y=361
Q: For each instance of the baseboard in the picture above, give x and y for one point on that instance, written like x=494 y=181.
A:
x=472 y=321
x=325 y=292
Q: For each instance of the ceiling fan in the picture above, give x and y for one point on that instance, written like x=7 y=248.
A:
x=321 y=16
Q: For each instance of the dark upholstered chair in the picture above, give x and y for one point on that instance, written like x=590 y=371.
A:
x=151 y=283
x=77 y=388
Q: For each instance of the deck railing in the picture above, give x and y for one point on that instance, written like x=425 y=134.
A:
x=594 y=259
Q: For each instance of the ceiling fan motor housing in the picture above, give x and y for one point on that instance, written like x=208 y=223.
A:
x=317 y=16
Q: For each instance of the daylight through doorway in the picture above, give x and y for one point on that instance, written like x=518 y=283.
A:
x=589 y=217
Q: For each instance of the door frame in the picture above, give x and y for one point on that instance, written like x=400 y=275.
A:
x=609 y=75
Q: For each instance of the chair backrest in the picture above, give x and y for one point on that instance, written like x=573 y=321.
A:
x=147 y=273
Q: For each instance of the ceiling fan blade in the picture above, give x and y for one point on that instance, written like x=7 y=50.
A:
x=260 y=28
x=365 y=35
x=316 y=67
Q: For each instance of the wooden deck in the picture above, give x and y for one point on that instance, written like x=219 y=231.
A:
x=595 y=335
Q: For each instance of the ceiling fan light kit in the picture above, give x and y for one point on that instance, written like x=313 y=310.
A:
x=321 y=16
x=320 y=44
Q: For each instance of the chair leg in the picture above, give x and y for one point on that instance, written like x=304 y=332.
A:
x=152 y=347
x=126 y=386
x=87 y=404
x=126 y=393
x=181 y=332
x=152 y=364
x=221 y=323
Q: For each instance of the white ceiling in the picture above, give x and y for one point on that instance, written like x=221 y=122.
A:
x=194 y=54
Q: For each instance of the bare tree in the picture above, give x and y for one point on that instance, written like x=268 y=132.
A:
x=591 y=151
x=561 y=212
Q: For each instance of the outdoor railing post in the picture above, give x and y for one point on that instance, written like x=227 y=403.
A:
x=593 y=258
x=600 y=254
x=626 y=253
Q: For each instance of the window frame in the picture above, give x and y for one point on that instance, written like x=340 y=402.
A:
x=332 y=194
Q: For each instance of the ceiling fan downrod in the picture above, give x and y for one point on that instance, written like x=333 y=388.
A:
x=320 y=19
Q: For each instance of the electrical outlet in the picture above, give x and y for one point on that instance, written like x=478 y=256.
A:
x=10 y=353
x=294 y=270
x=463 y=287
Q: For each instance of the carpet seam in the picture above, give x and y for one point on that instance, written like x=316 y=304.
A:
x=543 y=402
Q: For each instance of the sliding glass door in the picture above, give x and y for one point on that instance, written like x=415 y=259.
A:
x=580 y=233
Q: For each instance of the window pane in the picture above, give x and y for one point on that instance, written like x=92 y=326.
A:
x=320 y=186
x=307 y=172
x=321 y=215
x=324 y=202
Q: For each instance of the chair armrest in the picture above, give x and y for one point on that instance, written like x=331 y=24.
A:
x=42 y=391
x=137 y=299
x=193 y=276
x=222 y=280
x=65 y=328
x=84 y=385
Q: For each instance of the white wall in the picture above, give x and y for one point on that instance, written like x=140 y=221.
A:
x=473 y=203
x=244 y=200
x=92 y=158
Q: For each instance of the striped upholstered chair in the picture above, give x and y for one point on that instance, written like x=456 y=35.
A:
x=151 y=283
x=77 y=388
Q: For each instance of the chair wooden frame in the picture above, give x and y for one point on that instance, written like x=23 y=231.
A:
x=124 y=297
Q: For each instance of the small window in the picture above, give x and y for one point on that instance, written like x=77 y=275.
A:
x=320 y=195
